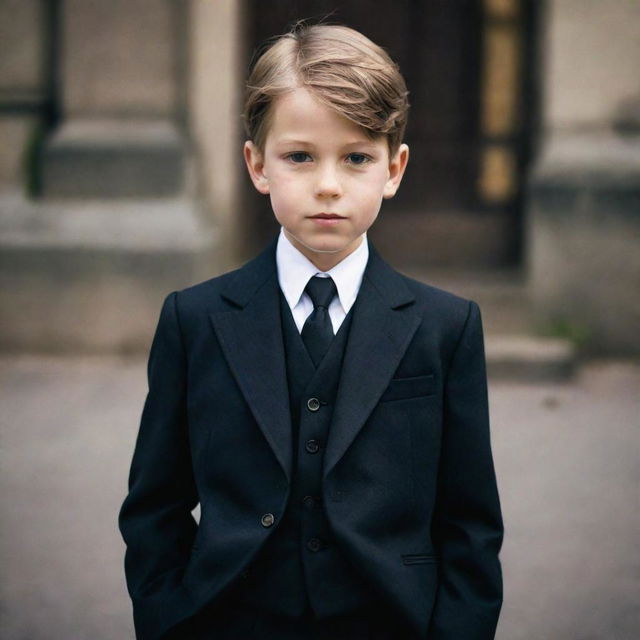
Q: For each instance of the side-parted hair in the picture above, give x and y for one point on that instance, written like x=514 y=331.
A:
x=342 y=68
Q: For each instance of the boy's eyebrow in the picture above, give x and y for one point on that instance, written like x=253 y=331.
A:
x=356 y=143
x=288 y=141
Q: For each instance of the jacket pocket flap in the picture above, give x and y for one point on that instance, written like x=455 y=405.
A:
x=418 y=558
x=403 y=388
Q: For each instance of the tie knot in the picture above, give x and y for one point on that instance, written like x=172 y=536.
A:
x=321 y=291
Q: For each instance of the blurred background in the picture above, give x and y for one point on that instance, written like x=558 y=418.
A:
x=121 y=179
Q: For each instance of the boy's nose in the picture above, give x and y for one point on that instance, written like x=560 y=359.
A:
x=328 y=183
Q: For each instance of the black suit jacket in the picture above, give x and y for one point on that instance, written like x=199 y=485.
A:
x=408 y=480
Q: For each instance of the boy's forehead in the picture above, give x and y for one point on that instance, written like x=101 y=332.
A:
x=298 y=116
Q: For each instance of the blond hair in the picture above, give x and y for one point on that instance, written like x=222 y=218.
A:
x=342 y=68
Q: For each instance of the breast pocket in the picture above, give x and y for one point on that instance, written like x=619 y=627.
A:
x=406 y=388
x=419 y=558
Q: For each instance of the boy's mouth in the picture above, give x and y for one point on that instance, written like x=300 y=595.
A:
x=327 y=219
x=328 y=216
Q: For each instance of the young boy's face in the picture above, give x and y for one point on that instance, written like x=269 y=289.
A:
x=325 y=176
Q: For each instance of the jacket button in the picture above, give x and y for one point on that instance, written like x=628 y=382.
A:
x=309 y=502
x=313 y=404
x=267 y=519
x=314 y=544
x=312 y=446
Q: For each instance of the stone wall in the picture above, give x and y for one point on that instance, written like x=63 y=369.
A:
x=591 y=54
x=215 y=90
x=120 y=58
x=583 y=220
x=23 y=84
x=118 y=223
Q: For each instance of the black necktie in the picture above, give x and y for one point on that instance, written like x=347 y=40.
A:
x=317 y=332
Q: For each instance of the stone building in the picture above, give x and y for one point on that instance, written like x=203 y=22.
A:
x=121 y=176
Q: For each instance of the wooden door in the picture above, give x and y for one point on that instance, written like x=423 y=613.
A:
x=464 y=63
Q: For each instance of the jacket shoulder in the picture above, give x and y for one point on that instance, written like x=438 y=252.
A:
x=231 y=289
x=444 y=312
x=208 y=289
x=438 y=301
x=201 y=299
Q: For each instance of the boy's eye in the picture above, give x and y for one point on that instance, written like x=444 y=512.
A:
x=299 y=156
x=357 y=158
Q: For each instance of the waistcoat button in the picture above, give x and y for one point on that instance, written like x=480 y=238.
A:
x=313 y=404
x=314 y=544
x=312 y=446
x=267 y=519
x=309 y=502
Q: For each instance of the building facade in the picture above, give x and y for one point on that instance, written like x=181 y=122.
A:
x=121 y=173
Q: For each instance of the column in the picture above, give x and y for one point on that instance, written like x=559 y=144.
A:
x=584 y=193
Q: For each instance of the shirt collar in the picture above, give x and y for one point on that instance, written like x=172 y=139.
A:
x=294 y=271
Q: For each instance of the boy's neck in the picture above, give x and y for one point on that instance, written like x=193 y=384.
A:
x=324 y=261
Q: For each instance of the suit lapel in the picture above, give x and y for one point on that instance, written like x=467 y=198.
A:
x=250 y=335
x=382 y=327
x=251 y=340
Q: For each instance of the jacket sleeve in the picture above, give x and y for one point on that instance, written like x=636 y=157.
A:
x=155 y=519
x=467 y=526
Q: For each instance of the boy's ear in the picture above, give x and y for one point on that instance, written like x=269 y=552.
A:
x=397 y=165
x=255 y=165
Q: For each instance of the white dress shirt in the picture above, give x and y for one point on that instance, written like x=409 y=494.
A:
x=294 y=271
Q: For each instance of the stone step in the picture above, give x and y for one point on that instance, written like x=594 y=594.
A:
x=90 y=277
x=529 y=358
x=112 y=159
x=514 y=348
x=501 y=293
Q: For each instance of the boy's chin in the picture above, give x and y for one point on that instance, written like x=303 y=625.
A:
x=331 y=247
x=325 y=256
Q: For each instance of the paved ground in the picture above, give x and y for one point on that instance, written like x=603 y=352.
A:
x=566 y=457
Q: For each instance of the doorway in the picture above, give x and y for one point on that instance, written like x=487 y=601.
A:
x=468 y=67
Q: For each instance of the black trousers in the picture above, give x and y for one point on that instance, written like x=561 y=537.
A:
x=231 y=621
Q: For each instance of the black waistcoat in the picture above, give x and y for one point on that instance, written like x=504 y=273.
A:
x=300 y=568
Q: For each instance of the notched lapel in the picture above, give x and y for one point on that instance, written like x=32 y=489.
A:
x=251 y=340
x=382 y=328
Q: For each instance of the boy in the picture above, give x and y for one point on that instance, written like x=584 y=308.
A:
x=328 y=414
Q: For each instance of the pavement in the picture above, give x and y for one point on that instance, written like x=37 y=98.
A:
x=566 y=457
